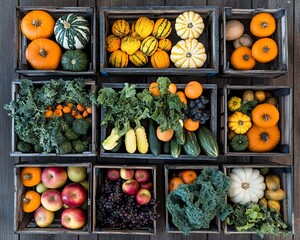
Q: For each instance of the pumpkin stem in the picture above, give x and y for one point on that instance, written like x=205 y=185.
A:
x=245 y=185
x=73 y=61
x=66 y=24
x=43 y=53
x=246 y=57
x=190 y=25
x=27 y=176
x=36 y=22
x=240 y=122
x=266 y=49
x=26 y=200
x=188 y=55
x=264 y=137
x=264 y=24
x=266 y=117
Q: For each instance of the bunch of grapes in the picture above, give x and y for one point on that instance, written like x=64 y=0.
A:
x=196 y=110
x=116 y=209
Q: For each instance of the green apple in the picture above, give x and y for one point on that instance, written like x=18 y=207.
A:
x=41 y=188
x=85 y=183
x=76 y=174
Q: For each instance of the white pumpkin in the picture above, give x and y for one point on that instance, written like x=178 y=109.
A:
x=247 y=185
x=188 y=53
x=189 y=25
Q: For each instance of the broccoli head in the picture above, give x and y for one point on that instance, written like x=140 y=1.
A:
x=70 y=134
x=80 y=126
x=80 y=146
x=65 y=147
x=37 y=148
x=68 y=118
x=24 y=146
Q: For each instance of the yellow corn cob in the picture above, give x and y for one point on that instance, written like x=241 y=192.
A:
x=130 y=141
x=141 y=138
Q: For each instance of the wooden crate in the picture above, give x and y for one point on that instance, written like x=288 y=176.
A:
x=24 y=68
x=215 y=227
x=91 y=85
x=273 y=69
x=209 y=38
x=24 y=222
x=209 y=90
x=98 y=177
x=286 y=178
x=284 y=95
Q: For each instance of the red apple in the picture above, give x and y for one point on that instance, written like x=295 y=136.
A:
x=126 y=174
x=148 y=185
x=143 y=196
x=142 y=175
x=51 y=200
x=43 y=217
x=54 y=177
x=73 y=218
x=76 y=174
x=73 y=195
x=113 y=174
x=130 y=187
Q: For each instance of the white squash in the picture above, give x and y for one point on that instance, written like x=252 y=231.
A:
x=244 y=40
x=247 y=185
x=188 y=53
x=189 y=25
x=234 y=30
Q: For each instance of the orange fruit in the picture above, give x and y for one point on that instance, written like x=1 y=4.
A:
x=172 y=88
x=154 y=89
x=193 y=90
x=260 y=96
x=190 y=125
x=188 y=176
x=182 y=97
x=164 y=136
x=174 y=183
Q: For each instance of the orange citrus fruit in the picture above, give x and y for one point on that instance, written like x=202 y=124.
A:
x=193 y=90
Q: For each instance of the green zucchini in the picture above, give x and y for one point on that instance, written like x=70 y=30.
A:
x=208 y=141
x=180 y=136
x=191 y=146
x=167 y=147
x=154 y=142
x=118 y=146
x=175 y=148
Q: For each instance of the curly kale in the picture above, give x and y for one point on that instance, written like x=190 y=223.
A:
x=80 y=126
x=194 y=206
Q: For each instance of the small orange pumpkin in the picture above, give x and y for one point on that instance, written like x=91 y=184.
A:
x=43 y=54
x=160 y=59
x=264 y=50
x=165 y=44
x=241 y=59
x=265 y=115
x=37 y=24
x=31 y=176
x=263 y=25
x=263 y=139
x=113 y=43
x=31 y=200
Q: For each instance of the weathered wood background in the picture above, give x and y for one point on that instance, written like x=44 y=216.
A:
x=7 y=53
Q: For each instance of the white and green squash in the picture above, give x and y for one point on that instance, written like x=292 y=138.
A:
x=74 y=60
x=72 y=31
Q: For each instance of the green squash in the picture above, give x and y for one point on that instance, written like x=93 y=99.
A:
x=74 y=60
x=72 y=31
x=239 y=142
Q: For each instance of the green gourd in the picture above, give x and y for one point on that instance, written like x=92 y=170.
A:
x=74 y=60
x=239 y=142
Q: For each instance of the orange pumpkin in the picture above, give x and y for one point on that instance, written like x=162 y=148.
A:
x=31 y=176
x=37 y=24
x=31 y=201
x=264 y=50
x=241 y=59
x=263 y=139
x=263 y=25
x=265 y=115
x=43 y=54
x=160 y=59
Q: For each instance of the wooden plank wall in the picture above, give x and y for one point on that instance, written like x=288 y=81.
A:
x=7 y=18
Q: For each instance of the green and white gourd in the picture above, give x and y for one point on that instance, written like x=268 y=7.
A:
x=247 y=185
x=72 y=31
x=74 y=60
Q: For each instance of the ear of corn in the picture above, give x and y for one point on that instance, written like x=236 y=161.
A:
x=141 y=138
x=130 y=141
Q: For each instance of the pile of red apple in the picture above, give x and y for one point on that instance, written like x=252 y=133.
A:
x=138 y=183
x=63 y=193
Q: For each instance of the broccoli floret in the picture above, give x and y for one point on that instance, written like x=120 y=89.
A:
x=80 y=126
x=37 y=148
x=65 y=147
x=69 y=118
x=24 y=146
x=80 y=146
x=70 y=134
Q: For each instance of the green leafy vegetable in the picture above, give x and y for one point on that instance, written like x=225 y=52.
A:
x=194 y=206
x=252 y=217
